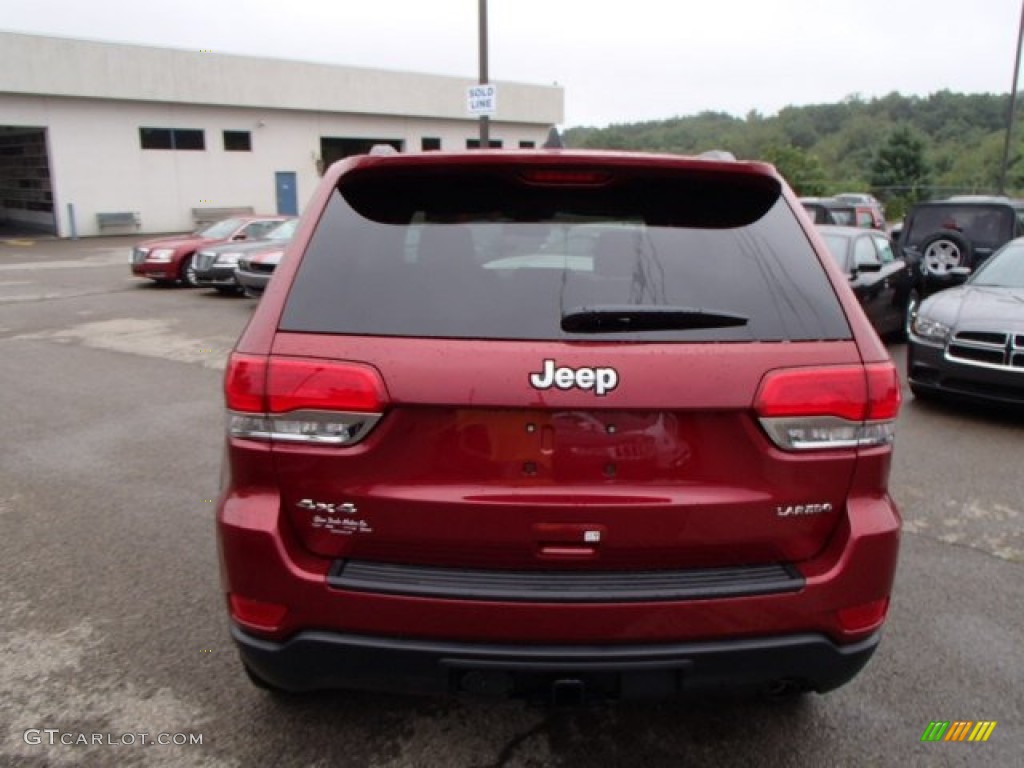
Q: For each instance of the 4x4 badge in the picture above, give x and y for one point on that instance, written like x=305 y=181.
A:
x=601 y=380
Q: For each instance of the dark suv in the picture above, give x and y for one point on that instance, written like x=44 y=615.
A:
x=572 y=425
x=959 y=232
x=943 y=235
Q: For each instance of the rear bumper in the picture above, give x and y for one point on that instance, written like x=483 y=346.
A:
x=930 y=283
x=329 y=628
x=563 y=674
x=261 y=560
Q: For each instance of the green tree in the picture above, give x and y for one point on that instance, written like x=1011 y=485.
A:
x=802 y=170
x=900 y=169
x=962 y=137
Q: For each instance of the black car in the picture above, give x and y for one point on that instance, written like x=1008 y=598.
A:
x=968 y=341
x=959 y=232
x=215 y=266
x=884 y=283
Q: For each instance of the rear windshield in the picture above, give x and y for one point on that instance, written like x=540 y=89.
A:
x=984 y=225
x=490 y=256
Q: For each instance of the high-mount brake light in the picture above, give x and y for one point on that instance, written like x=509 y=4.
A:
x=302 y=400
x=805 y=409
x=565 y=177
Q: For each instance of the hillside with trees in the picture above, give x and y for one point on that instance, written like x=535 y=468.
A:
x=901 y=148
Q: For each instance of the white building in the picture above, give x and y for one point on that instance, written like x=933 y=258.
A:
x=109 y=138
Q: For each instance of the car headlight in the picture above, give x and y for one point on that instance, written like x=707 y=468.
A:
x=228 y=258
x=930 y=330
x=161 y=255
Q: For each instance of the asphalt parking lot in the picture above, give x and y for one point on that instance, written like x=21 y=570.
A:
x=115 y=638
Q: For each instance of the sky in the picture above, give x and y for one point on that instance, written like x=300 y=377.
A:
x=619 y=62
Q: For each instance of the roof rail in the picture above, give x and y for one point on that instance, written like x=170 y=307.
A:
x=718 y=154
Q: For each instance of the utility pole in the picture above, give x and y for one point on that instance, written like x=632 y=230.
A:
x=1013 y=105
x=485 y=121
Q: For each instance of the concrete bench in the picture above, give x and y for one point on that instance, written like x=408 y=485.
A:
x=118 y=219
x=204 y=216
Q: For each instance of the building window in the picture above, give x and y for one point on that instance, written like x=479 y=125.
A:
x=237 y=141
x=171 y=138
x=188 y=139
x=156 y=138
x=429 y=143
x=527 y=144
x=475 y=143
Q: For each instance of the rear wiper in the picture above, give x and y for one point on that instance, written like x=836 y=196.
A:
x=607 y=318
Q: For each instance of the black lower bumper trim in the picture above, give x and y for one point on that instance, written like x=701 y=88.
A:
x=324 y=660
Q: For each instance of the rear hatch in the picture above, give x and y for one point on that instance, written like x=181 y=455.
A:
x=526 y=367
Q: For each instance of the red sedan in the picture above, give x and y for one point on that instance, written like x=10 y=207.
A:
x=171 y=259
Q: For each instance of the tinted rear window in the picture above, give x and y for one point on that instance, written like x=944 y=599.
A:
x=470 y=254
x=985 y=225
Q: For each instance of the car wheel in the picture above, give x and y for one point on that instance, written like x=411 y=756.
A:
x=188 y=272
x=943 y=251
x=910 y=314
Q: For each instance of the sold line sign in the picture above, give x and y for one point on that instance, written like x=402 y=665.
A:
x=482 y=99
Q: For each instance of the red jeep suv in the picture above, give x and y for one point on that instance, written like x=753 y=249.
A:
x=569 y=424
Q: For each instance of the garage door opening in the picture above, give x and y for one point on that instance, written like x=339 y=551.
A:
x=26 y=192
x=334 y=149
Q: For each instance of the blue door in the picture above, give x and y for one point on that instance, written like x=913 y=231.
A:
x=287 y=193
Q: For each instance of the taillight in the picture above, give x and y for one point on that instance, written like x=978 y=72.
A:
x=295 y=383
x=301 y=400
x=245 y=383
x=805 y=409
